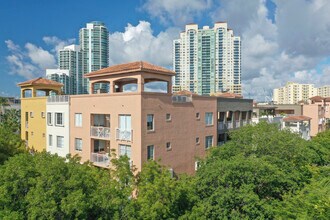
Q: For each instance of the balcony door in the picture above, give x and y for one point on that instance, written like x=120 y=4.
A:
x=125 y=122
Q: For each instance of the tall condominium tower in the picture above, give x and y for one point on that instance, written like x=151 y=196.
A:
x=207 y=60
x=69 y=58
x=292 y=93
x=61 y=76
x=94 y=43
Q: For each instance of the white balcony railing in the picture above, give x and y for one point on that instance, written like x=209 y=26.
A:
x=229 y=125
x=244 y=122
x=221 y=126
x=100 y=132
x=58 y=98
x=100 y=159
x=124 y=135
x=237 y=124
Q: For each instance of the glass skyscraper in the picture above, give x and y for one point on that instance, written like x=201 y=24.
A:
x=207 y=60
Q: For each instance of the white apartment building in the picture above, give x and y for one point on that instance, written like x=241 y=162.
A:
x=58 y=125
x=207 y=60
x=292 y=93
x=61 y=76
x=324 y=91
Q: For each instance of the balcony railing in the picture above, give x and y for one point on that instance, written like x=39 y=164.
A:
x=237 y=124
x=102 y=160
x=244 y=122
x=26 y=124
x=58 y=98
x=100 y=132
x=229 y=125
x=124 y=135
x=221 y=126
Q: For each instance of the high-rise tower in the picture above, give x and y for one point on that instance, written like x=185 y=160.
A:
x=94 y=43
x=69 y=58
x=207 y=60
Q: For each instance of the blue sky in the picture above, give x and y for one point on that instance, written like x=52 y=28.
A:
x=279 y=41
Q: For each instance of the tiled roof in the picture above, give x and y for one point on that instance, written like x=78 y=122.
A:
x=40 y=81
x=316 y=98
x=296 y=118
x=131 y=67
x=227 y=95
x=327 y=99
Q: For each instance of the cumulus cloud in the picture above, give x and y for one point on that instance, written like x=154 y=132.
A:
x=29 y=61
x=139 y=43
x=176 y=12
x=57 y=43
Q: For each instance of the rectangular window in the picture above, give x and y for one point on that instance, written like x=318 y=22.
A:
x=59 y=119
x=168 y=146
x=209 y=118
x=197 y=140
x=208 y=142
x=168 y=117
x=78 y=144
x=125 y=150
x=198 y=115
x=150 y=122
x=49 y=118
x=78 y=119
x=150 y=155
x=50 y=140
x=43 y=114
x=31 y=115
x=60 y=141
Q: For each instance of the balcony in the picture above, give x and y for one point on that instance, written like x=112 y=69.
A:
x=229 y=125
x=100 y=132
x=237 y=124
x=124 y=135
x=244 y=122
x=58 y=98
x=100 y=159
x=221 y=126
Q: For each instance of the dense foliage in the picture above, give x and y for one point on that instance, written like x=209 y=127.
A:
x=262 y=173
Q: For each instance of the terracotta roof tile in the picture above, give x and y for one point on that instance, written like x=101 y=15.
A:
x=40 y=81
x=130 y=67
x=227 y=95
x=316 y=98
x=296 y=118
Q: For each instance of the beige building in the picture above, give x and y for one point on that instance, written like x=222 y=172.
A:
x=324 y=91
x=292 y=93
x=133 y=119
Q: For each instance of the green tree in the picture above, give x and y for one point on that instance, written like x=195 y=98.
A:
x=321 y=145
x=11 y=120
x=249 y=175
x=10 y=144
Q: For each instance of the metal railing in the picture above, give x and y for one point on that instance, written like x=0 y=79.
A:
x=244 y=122
x=58 y=98
x=221 y=126
x=237 y=124
x=124 y=135
x=229 y=125
x=100 y=159
x=100 y=132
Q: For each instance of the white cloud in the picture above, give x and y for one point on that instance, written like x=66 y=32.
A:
x=57 y=43
x=176 y=12
x=139 y=43
x=29 y=62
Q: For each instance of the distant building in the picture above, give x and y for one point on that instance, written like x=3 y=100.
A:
x=94 y=43
x=292 y=93
x=61 y=76
x=69 y=58
x=324 y=91
x=207 y=60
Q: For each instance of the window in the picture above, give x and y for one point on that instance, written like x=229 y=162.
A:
x=60 y=141
x=150 y=155
x=168 y=117
x=43 y=135
x=31 y=115
x=150 y=122
x=59 y=119
x=43 y=114
x=168 y=146
x=78 y=144
x=198 y=115
x=78 y=119
x=50 y=140
x=125 y=150
x=208 y=141
x=197 y=140
x=209 y=118
x=49 y=118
